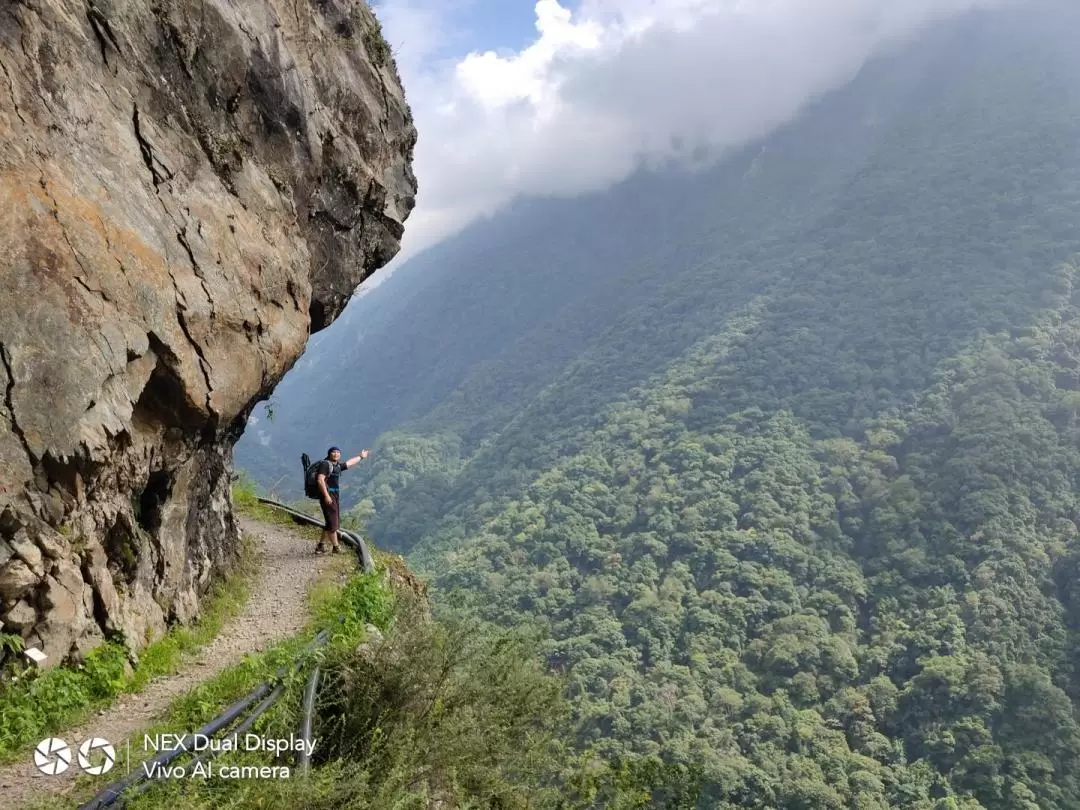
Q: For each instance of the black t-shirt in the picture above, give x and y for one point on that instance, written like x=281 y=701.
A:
x=331 y=469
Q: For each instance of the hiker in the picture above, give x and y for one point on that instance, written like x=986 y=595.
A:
x=326 y=479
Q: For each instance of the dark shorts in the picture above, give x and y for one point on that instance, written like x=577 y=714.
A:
x=332 y=513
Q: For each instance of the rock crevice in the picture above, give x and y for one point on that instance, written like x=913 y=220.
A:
x=188 y=191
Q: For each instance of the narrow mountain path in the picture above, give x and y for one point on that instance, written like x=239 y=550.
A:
x=276 y=608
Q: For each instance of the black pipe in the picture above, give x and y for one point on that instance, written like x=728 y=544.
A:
x=350 y=538
x=243 y=728
x=109 y=795
x=304 y=760
x=357 y=542
x=113 y=792
x=261 y=709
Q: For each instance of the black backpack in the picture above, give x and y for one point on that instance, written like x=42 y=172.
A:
x=311 y=486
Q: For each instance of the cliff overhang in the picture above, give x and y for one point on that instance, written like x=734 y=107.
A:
x=187 y=191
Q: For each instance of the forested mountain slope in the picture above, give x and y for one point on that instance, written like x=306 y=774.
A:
x=523 y=294
x=784 y=455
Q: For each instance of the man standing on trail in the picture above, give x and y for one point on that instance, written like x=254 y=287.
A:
x=327 y=479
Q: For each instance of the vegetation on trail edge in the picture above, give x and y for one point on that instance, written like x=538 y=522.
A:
x=421 y=711
x=435 y=711
x=34 y=705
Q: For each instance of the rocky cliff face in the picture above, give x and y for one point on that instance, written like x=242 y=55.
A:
x=187 y=187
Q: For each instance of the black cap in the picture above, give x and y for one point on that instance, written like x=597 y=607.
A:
x=333 y=450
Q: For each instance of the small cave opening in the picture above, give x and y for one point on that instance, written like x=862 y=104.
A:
x=165 y=399
x=317 y=313
x=121 y=548
x=153 y=499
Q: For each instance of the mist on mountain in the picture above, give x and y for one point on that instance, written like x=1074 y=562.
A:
x=781 y=454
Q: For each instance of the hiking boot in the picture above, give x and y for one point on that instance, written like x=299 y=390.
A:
x=320 y=548
x=336 y=549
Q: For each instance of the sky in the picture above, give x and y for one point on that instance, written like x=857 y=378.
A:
x=557 y=98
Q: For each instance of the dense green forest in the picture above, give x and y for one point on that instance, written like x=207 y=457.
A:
x=782 y=457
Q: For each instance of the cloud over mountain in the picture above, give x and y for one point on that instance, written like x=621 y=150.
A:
x=614 y=84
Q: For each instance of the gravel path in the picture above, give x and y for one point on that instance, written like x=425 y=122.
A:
x=276 y=608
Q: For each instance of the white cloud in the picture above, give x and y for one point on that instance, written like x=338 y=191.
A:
x=616 y=84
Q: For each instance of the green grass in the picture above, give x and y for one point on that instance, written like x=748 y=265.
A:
x=438 y=711
x=34 y=705
x=435 y=712
x=343 y=604
x=245 y=495
x=344 y=608
x=246 y=501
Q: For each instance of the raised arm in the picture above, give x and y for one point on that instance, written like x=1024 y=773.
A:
x=352 y=462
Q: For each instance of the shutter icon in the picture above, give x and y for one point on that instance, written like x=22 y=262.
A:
x=52 y=756
x=102 y=750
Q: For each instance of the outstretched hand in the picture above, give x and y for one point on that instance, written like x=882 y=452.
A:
x=357 y=459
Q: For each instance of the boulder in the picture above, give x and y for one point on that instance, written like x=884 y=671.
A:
x=17 y=580
x=21 y=617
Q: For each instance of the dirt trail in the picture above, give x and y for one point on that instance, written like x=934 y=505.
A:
x=276 y=608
